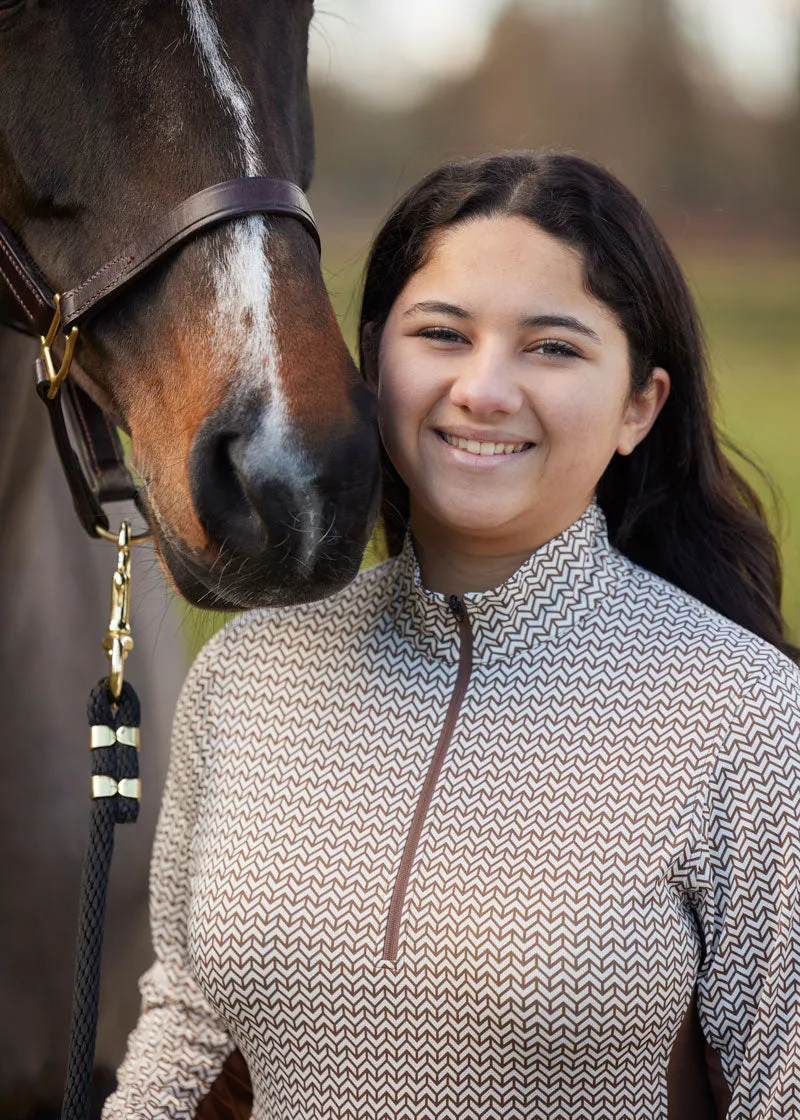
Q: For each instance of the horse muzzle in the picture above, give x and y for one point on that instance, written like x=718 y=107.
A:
x=286 y=520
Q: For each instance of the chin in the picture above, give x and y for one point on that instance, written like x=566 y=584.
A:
x=474 y=521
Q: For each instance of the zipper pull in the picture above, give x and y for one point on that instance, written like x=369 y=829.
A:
x=457 y=607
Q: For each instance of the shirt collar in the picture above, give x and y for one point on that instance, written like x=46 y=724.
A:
x=560 y=583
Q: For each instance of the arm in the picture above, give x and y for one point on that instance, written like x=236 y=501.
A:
x=748 y=991
x=179 y=1045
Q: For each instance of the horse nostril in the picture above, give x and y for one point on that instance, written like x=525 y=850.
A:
x=222 y=493
x=301 y=514
x=250 y=491
x=221 y=489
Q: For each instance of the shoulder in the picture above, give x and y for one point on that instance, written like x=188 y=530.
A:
x=671 y=617
x=674 y=626
x=763 y=740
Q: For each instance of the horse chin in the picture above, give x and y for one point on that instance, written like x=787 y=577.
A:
x=235 y=581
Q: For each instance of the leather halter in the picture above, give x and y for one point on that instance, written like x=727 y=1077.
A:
x=98 y=473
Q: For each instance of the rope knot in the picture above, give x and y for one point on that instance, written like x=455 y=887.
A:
x=115 y=749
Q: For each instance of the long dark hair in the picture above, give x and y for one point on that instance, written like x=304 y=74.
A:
x=676 y=505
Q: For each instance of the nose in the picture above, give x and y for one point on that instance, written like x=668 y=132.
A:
x=484 y=383
x=284 y=506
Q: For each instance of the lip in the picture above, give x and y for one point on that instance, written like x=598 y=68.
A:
x=483 y=436
x=476 y=462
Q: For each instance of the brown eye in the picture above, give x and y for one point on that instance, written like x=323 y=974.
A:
x=441 y=334
x=556 y=348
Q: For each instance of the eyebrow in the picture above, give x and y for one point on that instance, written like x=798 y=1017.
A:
x=568 y=322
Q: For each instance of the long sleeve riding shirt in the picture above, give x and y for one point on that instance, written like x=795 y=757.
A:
x=425 y=857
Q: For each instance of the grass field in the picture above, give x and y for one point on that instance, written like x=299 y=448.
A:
x=752 y=317
x=751 y=310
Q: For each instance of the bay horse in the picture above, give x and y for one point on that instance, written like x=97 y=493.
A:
x=250 y=426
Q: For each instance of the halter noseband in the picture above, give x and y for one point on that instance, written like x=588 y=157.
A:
x=28 y=303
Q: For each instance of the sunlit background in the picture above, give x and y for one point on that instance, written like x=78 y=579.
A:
x=695 y=104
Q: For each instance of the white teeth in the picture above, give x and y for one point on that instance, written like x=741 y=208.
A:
x=478 y=447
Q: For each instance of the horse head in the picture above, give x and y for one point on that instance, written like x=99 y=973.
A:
x=250 y=426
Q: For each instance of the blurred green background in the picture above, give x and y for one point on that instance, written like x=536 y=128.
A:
x=694 y=104
x=752 y=316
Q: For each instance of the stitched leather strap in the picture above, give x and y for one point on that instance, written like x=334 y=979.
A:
x=26 y=298
x=96 y=472
x=232 y=199
x=103 y=457
x=90 y=512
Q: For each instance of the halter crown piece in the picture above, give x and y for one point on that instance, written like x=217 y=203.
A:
x=95 y=469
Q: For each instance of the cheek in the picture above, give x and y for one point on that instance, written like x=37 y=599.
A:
x=392 y=422
x=402 y=406
x=584 y=422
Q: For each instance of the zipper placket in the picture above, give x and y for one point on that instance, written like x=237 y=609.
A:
x=392 y=938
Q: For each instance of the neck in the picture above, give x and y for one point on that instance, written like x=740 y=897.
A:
x=24 y=431
x=454 y=570
x=456 y=563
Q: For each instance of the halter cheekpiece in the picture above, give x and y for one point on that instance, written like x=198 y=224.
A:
x=97 y=472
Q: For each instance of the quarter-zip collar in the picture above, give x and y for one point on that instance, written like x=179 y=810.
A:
x=391 y=940
x=555 y=589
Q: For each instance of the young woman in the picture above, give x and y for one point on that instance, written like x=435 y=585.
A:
x=509 y=827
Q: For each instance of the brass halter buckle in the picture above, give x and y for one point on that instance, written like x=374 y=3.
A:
x=56 y=377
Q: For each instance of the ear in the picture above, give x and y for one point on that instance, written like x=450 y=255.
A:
x=370 y=345
x=642 y=410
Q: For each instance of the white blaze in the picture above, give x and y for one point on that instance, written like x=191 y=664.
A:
x=244 y=282
x=227 y=86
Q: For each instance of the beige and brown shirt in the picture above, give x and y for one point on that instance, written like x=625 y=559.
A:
x=423 y=859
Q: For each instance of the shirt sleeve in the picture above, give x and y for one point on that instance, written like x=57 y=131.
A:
x=748 y=990
x=179 y=1044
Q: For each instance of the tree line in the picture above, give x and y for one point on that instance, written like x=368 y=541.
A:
x=618 y=83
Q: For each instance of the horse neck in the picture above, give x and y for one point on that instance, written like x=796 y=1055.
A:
x=24 y=431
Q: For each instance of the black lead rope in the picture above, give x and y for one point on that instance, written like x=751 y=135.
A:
x=114 y=731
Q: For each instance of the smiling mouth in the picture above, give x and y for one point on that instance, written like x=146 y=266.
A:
x=481 y=447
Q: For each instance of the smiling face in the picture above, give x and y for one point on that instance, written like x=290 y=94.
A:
x=504 y=389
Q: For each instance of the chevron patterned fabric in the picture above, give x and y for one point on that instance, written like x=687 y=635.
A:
x=614 y=827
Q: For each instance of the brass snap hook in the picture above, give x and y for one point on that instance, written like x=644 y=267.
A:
x=118 y=641
x=133 y=538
